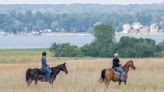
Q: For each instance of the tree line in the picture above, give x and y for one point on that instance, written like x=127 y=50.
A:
x=76 y=17
x=104 y=45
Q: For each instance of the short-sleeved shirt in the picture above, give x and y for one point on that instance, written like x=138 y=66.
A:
x=116 y=62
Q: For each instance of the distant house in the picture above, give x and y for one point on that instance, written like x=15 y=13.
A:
x=3 y=33
x=137 y=26
x=126 y=28
x=154 y=28
x=45 y=31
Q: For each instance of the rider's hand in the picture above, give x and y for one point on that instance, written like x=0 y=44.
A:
x=48 y=66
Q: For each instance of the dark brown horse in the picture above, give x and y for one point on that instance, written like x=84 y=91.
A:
x=109 y=74
x=37 y=74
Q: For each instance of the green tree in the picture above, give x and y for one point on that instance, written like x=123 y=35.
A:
x=55 y=26
x=104 y=34
x=103 y=45
x=160 y=49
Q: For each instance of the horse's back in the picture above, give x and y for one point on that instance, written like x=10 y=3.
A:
x=30 y=72
x=109 y=71
x=111 y=74
x=39 y=71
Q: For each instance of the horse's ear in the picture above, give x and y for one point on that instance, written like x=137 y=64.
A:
x=64 y=63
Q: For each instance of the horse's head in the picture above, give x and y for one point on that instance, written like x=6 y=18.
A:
x=131 y=64
x=64 y=68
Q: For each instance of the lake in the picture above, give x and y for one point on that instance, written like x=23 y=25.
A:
x=42 y=41
x=46 y=41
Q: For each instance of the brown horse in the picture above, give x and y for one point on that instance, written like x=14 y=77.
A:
x=37 y=74
x=109 y=74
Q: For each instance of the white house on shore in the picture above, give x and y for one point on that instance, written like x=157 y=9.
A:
x=154 y=28
x=3 y=33
x=137 y=26
x=126 y=28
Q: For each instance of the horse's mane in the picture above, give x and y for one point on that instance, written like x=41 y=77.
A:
x=127 y=63
x=57 y=67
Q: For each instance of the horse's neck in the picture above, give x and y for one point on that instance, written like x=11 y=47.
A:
x=126 y=69
x=56 y=70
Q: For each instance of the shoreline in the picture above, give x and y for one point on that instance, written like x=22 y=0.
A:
x=81 y=34
x=50 y=34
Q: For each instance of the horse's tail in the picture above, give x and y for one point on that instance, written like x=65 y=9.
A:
x=102 y=76
x=28 y=74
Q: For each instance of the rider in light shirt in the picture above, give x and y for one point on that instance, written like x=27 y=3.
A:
x=45 y=66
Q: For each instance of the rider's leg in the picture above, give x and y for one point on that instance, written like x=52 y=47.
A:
x=48 y=73
x=121 y=71
x=121 y=74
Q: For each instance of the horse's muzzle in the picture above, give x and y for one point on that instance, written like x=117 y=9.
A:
x=134 y=68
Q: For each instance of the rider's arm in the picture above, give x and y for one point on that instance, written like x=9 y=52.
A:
x=119 y=63
x=47 y=64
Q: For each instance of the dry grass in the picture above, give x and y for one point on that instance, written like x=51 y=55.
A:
x=83 y=75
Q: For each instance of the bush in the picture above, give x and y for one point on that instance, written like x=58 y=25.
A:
x=132 y=47
x=160 y=49
x=65 y=50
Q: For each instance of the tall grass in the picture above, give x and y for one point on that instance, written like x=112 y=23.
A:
x=83 y=75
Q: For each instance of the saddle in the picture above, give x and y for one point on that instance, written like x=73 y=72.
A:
x=115 y=72
x=42 y=72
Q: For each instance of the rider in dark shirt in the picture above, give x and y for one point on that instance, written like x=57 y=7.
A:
x=116 y=62
x=117 y=66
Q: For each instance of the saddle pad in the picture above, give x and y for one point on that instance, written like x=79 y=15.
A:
x=42 y=72
x=116 y=72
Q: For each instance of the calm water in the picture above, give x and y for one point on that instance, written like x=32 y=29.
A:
x=42 y=41
x=46 y=41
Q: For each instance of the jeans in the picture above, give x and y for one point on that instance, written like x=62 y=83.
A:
x=48 y=73
x=121 y=71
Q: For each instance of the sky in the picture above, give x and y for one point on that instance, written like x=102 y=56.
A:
x=80 y=1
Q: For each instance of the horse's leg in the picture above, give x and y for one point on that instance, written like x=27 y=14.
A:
x=108 y=83
x=52 y=80
x=52 y=83
x=120 y=82
x=125 y=82
x=108 y=80
x=29 y=82
x=36 y=81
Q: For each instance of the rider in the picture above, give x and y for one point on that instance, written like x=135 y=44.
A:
x=45 y=66
x=117 y=66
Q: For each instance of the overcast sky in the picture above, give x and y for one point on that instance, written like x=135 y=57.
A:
x=80 y=1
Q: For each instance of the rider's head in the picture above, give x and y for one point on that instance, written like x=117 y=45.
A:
x=43 y=53
x=116 y=55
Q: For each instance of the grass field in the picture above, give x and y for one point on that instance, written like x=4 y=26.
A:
x=83 y=73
